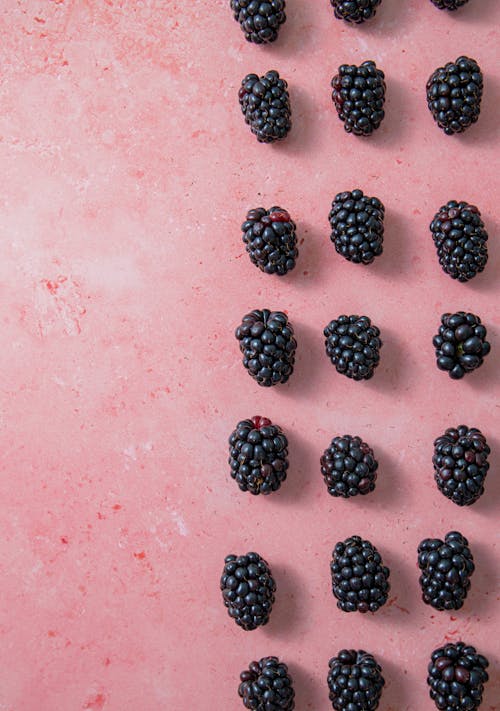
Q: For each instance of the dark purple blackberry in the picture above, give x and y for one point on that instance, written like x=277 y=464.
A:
x=355 y=681
x=258 y=456
x=353 y=345
x=260 y=21
x=248 y=589
x=461 y=464
x=449 y=4
x=357 y=223
x=355 y=11
x=454 y=95
x=267 y=686
x=446 y=569
x=270 y=240
x=268 y=346
x=457 y=674
x=359 y=97
x=265 y=104
x=359 y=580
x=461 y=344
x=349 y=467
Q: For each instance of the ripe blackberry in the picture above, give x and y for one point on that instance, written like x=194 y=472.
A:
x=265 y=104
x=454 y=95
x=353 y=345
x=457 y=674
x=355 y=11
x=460 y=238
x=359 y=580
x=461 y=344
x=359 y=97
x=446 y=569
x=461 y=464
x=270 y=240
x=260 y=21
x=449 y=4
x=355 y=681
x=248 y=589
x=357 y=223
x=268 y=346
x=267 y=686
x=349 y=467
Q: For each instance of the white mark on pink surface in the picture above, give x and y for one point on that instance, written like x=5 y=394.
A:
x=58 y=306
x=179 y=521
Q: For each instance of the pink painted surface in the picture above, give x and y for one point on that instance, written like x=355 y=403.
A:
x=126 y=171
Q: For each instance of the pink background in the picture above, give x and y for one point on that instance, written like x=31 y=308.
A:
x=126 y=172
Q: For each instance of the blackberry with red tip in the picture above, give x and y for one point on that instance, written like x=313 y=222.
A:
x=460 y=238
x=461 y=464
x=357 y=223
x=270 y=239
x=460 y=344
x=355 y=11
x=353 y=345
x=456 y=677
x=265 y=104
x=360 y=581
x=355 y=681
x=349 y=467
x=446 y=570
x=248 y=589
x=267 y=686
x=449 y=4
x=359 y=97
x=454 y=94
x=260 y=21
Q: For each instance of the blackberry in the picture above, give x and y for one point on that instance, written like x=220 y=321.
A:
x=461 y=464
x=446 y=569
x=353 y=345
x=355 y=11
x=359 y=580
x=457 y=674
x=460 y=238
x=265 y=104
x=454 y=95
x=248 y=589
x=267 y=686
x=270 y=240
x=260 y=21
x=357 y=223
x=461 y=344
x=258 y=455
x=359 y=97
x=449 y=4
x=349 y=467
x=355 y=681
x=268 y=346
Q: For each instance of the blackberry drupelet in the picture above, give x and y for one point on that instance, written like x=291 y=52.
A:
x=454 y=95
x=460 y=238
x=349 y=467
x=248 y=589
x=355 y=681
x=265 y=104
x=268 y=346
x=357 y=223
x=353 y=345
x=456 y=677
x=355 y=11
x=359 y=579
x=460 y=344
x=270 y=239
x=446 y=569
x=359 y=97
x=267 y=686
x=449 y=4
x=461 y=464
x=260 y=21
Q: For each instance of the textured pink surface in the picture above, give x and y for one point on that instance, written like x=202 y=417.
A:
x=126 y=171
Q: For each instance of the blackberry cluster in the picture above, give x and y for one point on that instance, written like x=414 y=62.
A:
x=456 y=677
x=353 y=345
x=359 y=579
x=355 y=11
x=248 y=589
x=267 y=686
x=454 y=95
x=461 y=344
x=446 y=569
x=260 y=21
x=268 y=346
x=449 y=4
x=349 y=467
x=270 y=239
x=461 y=464
x=355 y=681
x=359 y=97
x=265 y=104
x=357 y=223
